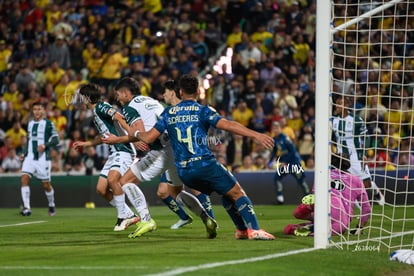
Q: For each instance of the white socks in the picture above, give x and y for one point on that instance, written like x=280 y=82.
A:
x=137 y=199
x=25 y=191
x=122 y=208
x=374 y=187
x=191 y=202
x=50 y=197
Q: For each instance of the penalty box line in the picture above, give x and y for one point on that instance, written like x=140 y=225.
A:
x=22 y=223
x=232 y=262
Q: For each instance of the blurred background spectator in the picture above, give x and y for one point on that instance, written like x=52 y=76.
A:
x=48 y=48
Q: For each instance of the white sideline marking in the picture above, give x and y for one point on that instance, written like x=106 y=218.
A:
x=242 y=261
x=172 y=272
x=69 y=267
x=23 y=223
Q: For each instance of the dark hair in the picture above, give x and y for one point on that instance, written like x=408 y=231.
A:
x=129 y=83
x=189 y=84
x=172 y=85
x=340 y=161
x=91 y=91
x=38 y=104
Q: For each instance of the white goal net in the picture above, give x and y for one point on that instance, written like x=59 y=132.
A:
x=371 y=60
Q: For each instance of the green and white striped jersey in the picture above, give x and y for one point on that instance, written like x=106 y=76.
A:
x=41 y=132
x=349 y=133
x=103 y=119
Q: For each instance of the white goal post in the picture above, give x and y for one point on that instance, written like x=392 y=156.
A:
x=365 y=53
x=322 y=113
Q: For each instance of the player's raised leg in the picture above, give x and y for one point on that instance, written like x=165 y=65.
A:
x=137 y=198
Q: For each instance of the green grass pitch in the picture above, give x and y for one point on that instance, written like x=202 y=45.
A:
x=79 y=241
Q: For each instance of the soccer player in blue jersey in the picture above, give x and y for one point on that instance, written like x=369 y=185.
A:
x=288 y=162
x=187 y=124
x=171 y=97
x=141 y=114
x=108 y=120
x=42 y=137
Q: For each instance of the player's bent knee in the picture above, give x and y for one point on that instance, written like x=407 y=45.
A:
x=162 y=194
x=101 y=191
x=25 y=179
x=301 y=212
x=235 y=193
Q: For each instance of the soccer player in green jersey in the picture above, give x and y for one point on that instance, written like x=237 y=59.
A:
x=42 y=137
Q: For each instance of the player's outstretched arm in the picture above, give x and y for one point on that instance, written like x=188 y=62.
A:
x=96 y=141
x=237 y=128
x=366 y=208
x=111 y=139
x=147 y=137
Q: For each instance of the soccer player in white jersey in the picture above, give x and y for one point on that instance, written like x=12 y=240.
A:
x=108 y=120
x=349 y=130
x=42 y=136
x=141 y=114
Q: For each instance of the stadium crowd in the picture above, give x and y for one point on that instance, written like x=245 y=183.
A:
x=48 y=48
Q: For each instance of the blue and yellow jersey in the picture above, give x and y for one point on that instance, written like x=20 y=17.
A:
x=285 y=150
x=187 y=124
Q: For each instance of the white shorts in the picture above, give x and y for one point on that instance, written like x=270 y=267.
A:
x=156 y=162
x=38 y=168
x=356 y=169
x=119 y=161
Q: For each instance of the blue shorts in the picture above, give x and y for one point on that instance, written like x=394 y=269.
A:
x=207 y=176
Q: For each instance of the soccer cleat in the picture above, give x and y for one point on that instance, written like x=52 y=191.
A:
x=241 y=234
x=142 y=228
x=25 y=212
x=259 y=235
x=123 y=223
x=304 y=231
x=290 y=228
x=52 y=211
x=308 y=199
x=181 y=223
x=280 y=199
x=211 y=225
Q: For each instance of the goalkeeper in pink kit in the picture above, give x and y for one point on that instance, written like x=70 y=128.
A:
x=345 y=190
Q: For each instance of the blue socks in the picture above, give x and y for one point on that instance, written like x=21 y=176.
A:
x=246 y=211
x=233 y=213
x=175 y=207
x=205 y=201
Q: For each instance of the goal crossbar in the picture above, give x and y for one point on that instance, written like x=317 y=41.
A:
x=365 y=16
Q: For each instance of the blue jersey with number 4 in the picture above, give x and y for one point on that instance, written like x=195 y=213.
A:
x=187 y=124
